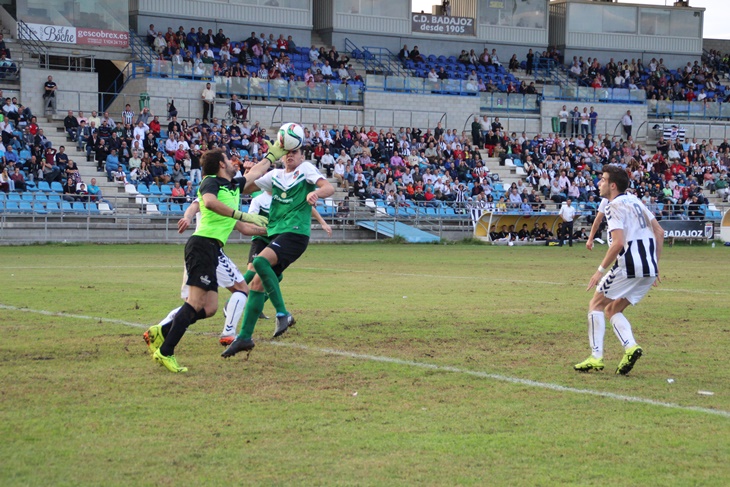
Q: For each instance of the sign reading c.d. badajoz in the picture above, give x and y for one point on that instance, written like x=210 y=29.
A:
x=442 y=24
x=691 y=229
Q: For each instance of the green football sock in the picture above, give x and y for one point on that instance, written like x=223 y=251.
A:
x=271 y=283
x=248 y=276
x=254 y=306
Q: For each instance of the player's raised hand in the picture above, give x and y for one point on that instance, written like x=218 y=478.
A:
x=275 y=150
x=247 y=165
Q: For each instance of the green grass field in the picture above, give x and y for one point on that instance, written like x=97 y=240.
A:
x=409 y=365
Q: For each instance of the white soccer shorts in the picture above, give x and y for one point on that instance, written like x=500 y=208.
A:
x=615 y=285
x=226 y=273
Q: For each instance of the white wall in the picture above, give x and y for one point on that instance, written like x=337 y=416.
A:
x=77 y=90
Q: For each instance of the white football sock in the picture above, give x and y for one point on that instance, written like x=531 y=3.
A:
x=596 y=332
x=233 y=312
x=622 y=328
x=170 y=316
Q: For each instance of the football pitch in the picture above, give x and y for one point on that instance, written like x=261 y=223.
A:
x=409 y=365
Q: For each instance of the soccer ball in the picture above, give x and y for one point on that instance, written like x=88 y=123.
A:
x=291 y=136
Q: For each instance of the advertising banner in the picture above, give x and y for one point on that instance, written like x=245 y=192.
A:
x=442 y=24
x=80 y=36
x=101 y=37
x=689 y=229
x=51 y=33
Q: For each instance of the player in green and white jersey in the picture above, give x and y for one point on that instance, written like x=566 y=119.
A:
x=295 y=189
x=260 y=205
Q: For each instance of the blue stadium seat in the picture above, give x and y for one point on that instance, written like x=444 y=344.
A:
x=14 y=197
x=27 y=197
x=56 y=187
x=52 y=207
x=12 y=207
x=25 y=207
x=44 y=186
x=39 y=208
x=78 y=207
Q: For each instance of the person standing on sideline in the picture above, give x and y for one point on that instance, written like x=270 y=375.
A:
x=635 y=247
x=295 y=189
x=208 y=96
x=594 y=121
x=49 y=96
x=627 y=121
x=219 y=194
x=563 y=117
x=567 y=213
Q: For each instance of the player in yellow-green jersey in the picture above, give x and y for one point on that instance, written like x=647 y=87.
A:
x=219 y=195
x=295 y=189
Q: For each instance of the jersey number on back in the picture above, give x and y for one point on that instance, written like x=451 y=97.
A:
x=640 y=215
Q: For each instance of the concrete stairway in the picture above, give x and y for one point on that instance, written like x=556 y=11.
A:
x=123 y=203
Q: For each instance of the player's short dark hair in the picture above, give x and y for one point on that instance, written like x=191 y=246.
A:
x=211 y=161
x=618 y=176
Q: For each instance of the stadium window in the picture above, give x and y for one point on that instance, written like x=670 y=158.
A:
x=685 y=23
x=513 y=13
x=373 y=8
x=619 y=20
x=654 y=22
x=585 y=18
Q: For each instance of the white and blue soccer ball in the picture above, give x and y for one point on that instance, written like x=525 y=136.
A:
x=291 y=136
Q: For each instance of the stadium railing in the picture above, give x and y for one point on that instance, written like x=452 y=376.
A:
x=593 y=95
x=688 y=109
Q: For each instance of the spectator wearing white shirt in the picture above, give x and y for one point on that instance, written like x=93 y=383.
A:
x=140 y=129
x=567 y=213
x=171 y=145
x=326 y=70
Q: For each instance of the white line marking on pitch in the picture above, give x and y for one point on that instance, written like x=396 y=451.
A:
x=420 y=365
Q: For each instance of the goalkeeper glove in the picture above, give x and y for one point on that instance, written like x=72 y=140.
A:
x=276 y=151
x=257 y=220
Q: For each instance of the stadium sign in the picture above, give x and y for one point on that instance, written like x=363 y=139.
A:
x=78 y=36
x=442 y=24
x=690 y=229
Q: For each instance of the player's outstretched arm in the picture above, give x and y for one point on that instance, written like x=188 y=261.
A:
x=188 y=216
x=249 y=229
x=214 y=204
x=324 y=190
x=320 y=220
x=594 y=230
x=617 y=243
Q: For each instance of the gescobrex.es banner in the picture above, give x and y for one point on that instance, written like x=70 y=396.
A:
x=79 y=36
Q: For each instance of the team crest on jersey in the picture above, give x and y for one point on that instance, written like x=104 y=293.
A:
x=283 y=194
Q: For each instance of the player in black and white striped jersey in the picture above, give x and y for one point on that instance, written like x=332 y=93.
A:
x=635 y=245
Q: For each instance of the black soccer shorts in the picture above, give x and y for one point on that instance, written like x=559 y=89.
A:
x=201 y=261
x=288 y=247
